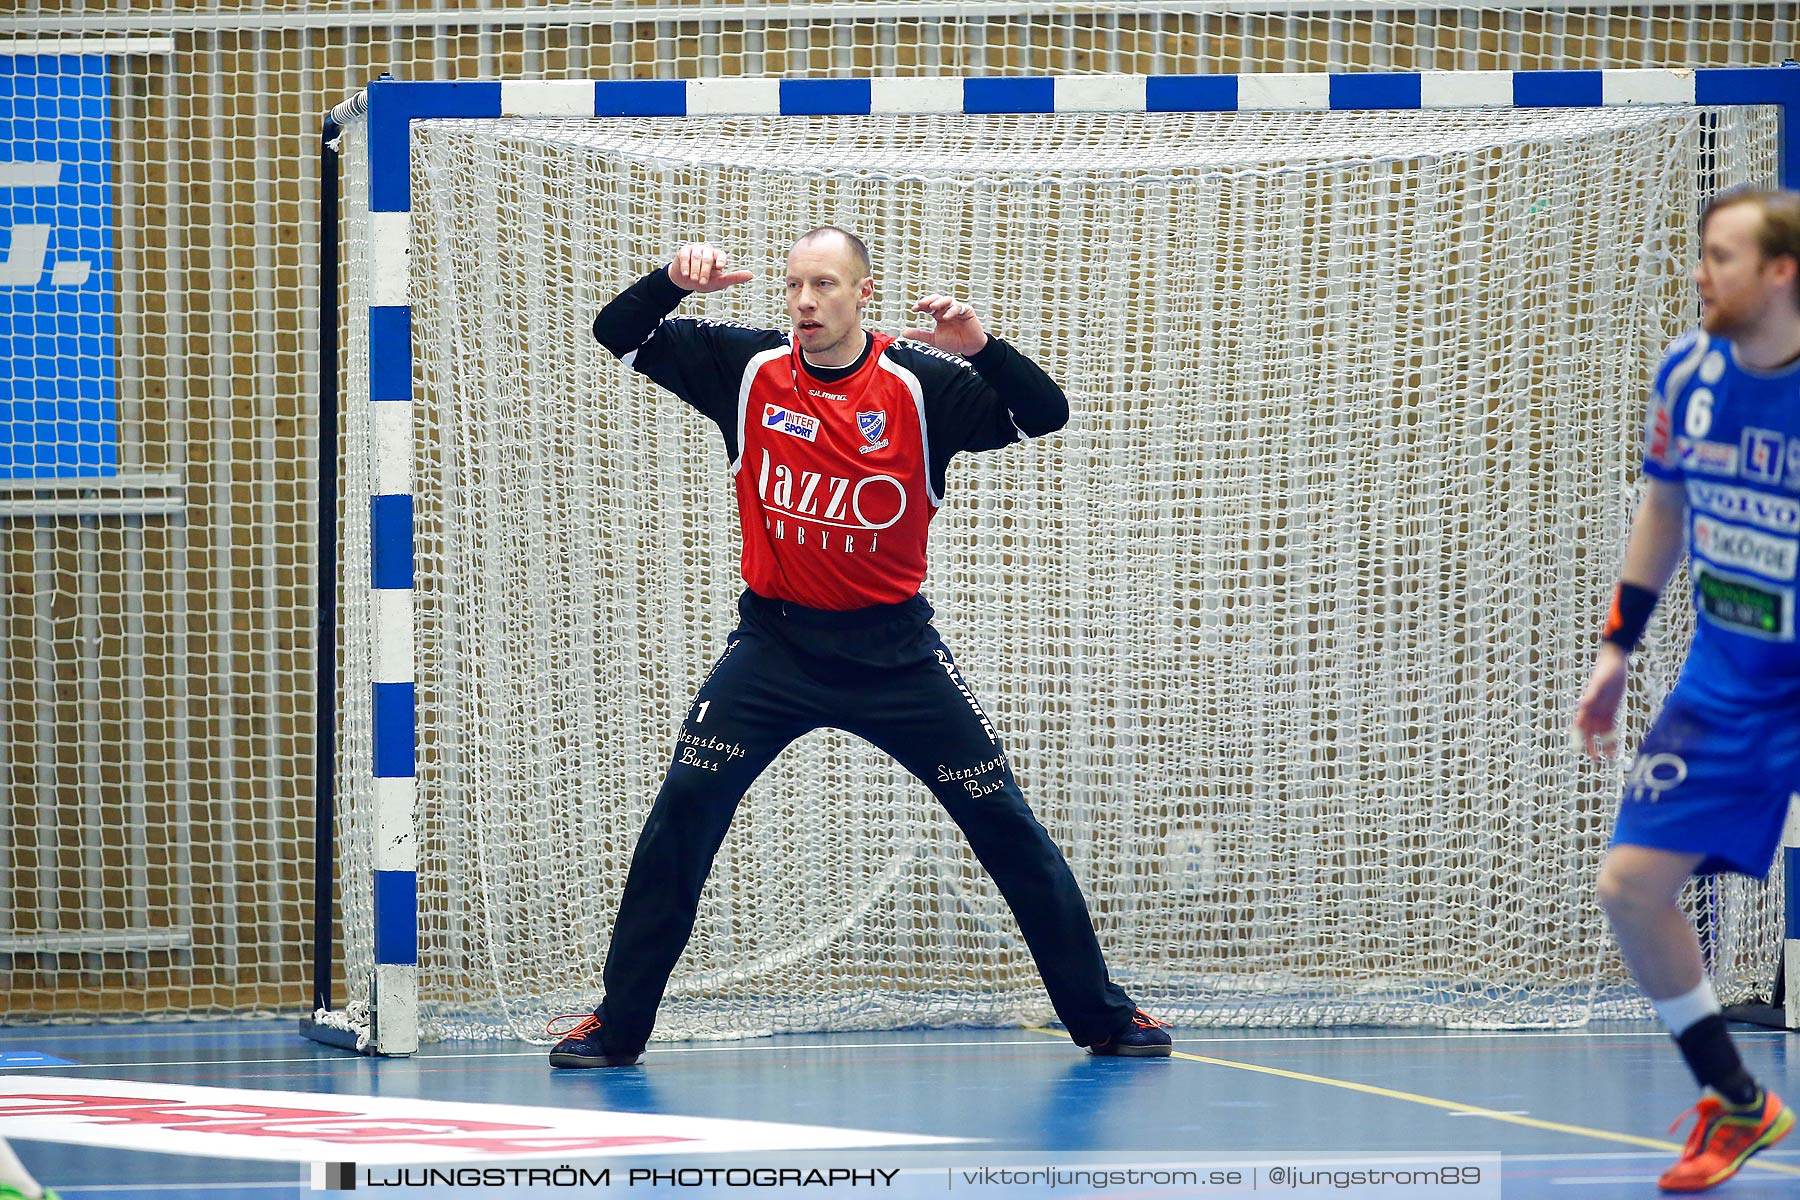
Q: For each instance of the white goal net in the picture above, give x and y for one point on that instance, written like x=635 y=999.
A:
x=1282 y=633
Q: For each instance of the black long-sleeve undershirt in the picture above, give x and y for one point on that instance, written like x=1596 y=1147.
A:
x=1036 y=404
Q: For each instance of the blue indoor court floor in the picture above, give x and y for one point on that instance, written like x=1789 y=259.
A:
x=1580 y=1113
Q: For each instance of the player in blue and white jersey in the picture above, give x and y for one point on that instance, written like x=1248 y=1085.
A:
x=1708 y=790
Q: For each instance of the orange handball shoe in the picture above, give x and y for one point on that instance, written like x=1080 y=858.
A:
x=1724 y=1140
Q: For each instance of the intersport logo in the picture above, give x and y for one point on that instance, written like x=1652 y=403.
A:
x=1776 y=513
x=794 y=424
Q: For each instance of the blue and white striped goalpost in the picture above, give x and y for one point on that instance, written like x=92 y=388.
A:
x=390 y=107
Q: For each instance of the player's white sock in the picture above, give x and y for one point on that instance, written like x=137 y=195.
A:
x=13 y=1173
x=1680 y=1012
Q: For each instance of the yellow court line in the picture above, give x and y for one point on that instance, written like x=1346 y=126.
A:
x=1604 y=1135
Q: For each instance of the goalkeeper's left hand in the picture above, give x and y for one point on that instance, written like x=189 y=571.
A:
x=958 y=329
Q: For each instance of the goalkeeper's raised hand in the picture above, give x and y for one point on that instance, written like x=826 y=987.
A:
x=698 y=267
x=957 y=328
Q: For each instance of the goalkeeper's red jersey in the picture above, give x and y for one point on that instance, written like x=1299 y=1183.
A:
x=839 y=471
x=831 y=481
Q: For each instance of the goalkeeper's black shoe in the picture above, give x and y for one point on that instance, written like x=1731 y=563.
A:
x=581 y=1047
x=1142 y=1038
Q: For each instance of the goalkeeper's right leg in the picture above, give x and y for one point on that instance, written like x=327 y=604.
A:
x=744 y=715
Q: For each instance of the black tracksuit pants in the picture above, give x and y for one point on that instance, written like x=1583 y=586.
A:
x=884 y=675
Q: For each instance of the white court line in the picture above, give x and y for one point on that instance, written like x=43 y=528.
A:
x=1407 y=1036
x=770 y=1046
x=465 y=1056
x=62 y=1068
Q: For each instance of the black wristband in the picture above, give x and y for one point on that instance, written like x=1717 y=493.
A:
x=1631 y=609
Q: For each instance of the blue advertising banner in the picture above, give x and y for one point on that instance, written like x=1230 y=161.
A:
x=58 y=314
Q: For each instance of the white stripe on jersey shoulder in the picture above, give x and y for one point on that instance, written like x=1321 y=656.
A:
x=629 y=358
x=1682 y=342
x=965 y=364
x=934 y=352
x=918 y=395
x=750 y=369
x=1684 y=370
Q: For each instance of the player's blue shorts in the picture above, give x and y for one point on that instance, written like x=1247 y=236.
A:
x=1713 y=780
